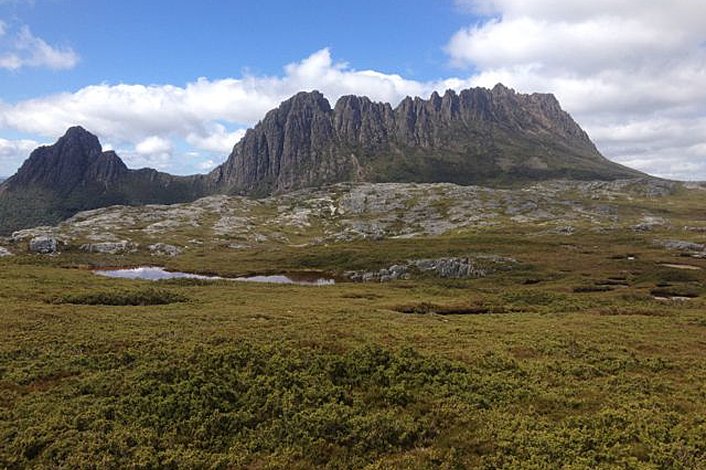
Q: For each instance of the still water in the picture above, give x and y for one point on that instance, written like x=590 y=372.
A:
x=154 y=273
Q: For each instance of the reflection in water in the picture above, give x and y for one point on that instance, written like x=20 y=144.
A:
x=150 y=273
x=153 y=273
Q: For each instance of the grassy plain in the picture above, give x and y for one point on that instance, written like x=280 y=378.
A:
x=568 y=362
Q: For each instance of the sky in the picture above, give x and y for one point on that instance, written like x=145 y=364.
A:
x=173 y=85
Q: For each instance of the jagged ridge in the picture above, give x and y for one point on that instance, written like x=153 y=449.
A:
x=477 y=136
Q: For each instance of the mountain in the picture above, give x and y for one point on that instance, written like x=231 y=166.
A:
x=75 y=174
x=479 y=136
x=491 y=137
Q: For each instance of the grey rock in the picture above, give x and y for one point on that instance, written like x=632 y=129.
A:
x=163 y=249
x=109 y=248
x=347 y=211
x=43 y=245
x=681 y=245
x=4 y=252
x=649 y=223
x=457 y=268
x=695 y=229
x=564 y=230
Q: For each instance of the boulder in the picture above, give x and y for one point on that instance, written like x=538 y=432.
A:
x=163 y=249
x=4 y=252
x=43 y=245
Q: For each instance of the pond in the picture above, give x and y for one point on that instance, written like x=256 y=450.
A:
x=154 y=273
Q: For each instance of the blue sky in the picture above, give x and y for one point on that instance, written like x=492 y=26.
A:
x=173 y=85
x=175 y=42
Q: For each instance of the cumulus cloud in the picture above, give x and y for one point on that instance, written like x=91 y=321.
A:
x=631 y=72
x=153 y=152
x=218 y=140
x=13 y=152
x=28 y=50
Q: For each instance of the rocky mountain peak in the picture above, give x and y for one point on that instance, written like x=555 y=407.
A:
x=77 y=134
x=60 y=166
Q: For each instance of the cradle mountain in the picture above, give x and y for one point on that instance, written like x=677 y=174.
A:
x=476 y=137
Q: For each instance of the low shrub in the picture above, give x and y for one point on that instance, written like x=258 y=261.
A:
x=149 y=296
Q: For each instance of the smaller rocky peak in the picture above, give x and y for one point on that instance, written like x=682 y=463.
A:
x=303 y=105
x=501 y=90
x=546 y=100
x=359 y=120
x=434 y=103
x=77 y=132
x=405 y=106
x=351 y=103
x=77 y=138
x=62 y=165
x=450 y=104
x=309 y=99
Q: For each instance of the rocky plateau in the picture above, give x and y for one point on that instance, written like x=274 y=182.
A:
x=352 y=211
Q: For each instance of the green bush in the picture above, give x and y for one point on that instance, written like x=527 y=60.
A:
x=149 y=296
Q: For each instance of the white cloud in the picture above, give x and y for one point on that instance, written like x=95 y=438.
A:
x=28 y=50
x=153 y=151
x=153 y=145
x=13 y=153
x=623 y=69
x=218 y=140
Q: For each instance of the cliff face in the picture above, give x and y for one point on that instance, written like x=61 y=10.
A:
x=477 y=135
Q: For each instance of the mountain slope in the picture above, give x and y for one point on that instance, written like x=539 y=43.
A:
x=479 y=136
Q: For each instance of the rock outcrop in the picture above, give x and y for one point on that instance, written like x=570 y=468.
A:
x=164 y=249
x=109 y=248
x=451 y=268
x=43 y=245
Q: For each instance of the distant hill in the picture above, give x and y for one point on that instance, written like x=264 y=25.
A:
x=487 y=137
